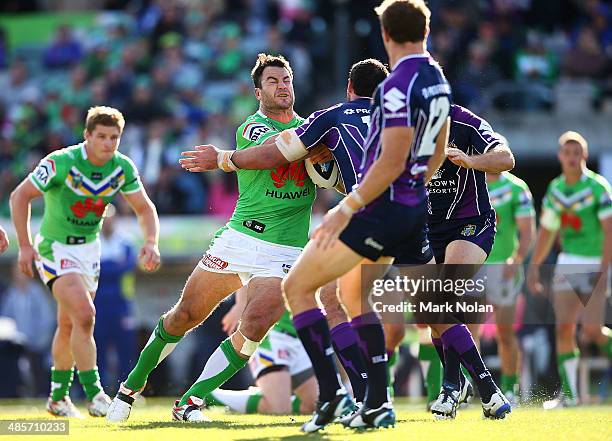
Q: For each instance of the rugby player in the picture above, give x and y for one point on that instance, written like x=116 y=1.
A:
x=343 y=128
x=578 y=206
x=515 y=224
x=77 y=183
x=256 y=248
x=461 y=232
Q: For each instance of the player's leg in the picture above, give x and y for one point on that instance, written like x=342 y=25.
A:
x=344 y=340
x=62 y=372
x=394 y=335
x=72 y=294
x=431 y=367
x=264 y=307
x=202 y=293
x=508 y=349
x=355 y=286
x=315 y=268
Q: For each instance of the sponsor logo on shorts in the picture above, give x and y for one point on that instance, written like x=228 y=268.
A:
x=283 y=354
x=67 y=263
x=468 y=230
x=372 y=243
x=214 y=262
x=286 y=267
x=295 y=172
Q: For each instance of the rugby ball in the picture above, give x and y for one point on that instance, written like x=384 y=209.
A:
x=324 y=175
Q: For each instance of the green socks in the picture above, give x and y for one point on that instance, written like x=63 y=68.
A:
x=432 y=370
x=567 y=364
x=220 y=367
x=90 y=380
x=509 y=384
x=60 y=383
x=159 y=346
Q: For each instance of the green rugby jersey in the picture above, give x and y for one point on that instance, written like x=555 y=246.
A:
x=511 y=199
x=273 y=205
x=577 y=210
x=76 y=192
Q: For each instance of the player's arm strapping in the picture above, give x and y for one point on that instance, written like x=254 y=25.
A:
x=277 y=150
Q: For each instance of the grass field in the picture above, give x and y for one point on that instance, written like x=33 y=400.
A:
x=152 y=422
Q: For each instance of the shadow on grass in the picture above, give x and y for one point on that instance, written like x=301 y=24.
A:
x=217 y=425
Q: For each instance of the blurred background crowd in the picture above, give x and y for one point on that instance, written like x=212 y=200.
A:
x=179 y=72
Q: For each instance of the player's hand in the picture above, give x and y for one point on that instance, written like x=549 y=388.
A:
x=230 y=321
x=202 y=158
x=149 y=256
x=320 y=154
x=4 y=242
x=533 y=280
x=334 y=222
x=27 y=255
x=458 y=157
x=510 y=268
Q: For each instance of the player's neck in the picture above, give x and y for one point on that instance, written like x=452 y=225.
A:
x=398 y=51
x=493 y=177
x=281 y=115
x=572 y=177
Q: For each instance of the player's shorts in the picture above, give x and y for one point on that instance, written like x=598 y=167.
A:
x=577 y=274
x=279 y=351
x=501 y=292
x=480 y=230
x=57 y=259
x=233 y=252
x=420 y=253
x=386 y=229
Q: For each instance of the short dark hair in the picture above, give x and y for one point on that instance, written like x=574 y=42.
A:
x=366 y=75
x=404 y=20
x=265 y=60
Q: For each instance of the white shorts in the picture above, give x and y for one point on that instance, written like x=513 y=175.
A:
x=280 y=349
x=576 y=273
x=502 y=292
x=233 y=252
x=57 y=259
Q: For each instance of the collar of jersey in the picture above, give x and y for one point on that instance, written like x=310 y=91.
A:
x=409 y=57
x=260 y=113
x=84 y=150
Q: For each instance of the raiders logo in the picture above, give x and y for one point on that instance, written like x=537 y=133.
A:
x=253 y=131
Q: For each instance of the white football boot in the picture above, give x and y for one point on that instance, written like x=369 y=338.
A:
x=63 y=408
x=98 y=406
x=190 y=411
x=121 y=406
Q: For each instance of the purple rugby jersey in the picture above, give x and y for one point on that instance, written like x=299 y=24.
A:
x=342 y=128
x=415 y=94
x=456 y=192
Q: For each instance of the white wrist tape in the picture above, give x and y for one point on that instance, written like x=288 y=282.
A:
x=290 y=145
x=224 y=160
x=346 y=209
x=249 y=346
x=357 y=198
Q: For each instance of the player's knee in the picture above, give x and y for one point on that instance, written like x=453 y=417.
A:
x=565 y=331
x=591 y=333
x=84 y=318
